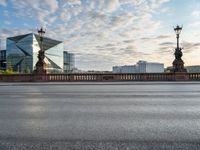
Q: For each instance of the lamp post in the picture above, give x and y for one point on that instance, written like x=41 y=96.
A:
x=178 y=64
x=40 y=65
x=178 y=30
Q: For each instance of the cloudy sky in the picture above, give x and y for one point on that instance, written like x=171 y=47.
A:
x=105 y=33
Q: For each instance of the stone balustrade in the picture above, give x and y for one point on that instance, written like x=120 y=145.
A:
x=100 y=77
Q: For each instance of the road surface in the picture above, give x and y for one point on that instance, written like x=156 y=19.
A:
x=90 y=116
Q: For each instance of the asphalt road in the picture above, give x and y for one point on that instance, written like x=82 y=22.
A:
x=90 y=116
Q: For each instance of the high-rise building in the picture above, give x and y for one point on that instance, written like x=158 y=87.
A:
x=140 y=67
x=69 y=62
x=2 y=59
x=22 y=53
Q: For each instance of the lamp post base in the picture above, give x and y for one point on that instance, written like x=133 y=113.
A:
x=40 y=71
x=181 y=76
x=40 y=68
x=178 y=66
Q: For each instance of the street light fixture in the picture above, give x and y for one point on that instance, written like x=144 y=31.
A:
x=178 y=30
x=40 y=65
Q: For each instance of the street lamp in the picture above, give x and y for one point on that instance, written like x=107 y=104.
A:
x=178 y=30
x=41 y=32
x=178 y=64
x=40 y=65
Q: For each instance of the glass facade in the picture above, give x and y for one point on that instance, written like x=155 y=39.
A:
x=22 y=52
x=69 y=62
x=2 y=59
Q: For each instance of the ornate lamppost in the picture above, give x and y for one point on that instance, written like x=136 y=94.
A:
x=40 y=65
x=178 y=64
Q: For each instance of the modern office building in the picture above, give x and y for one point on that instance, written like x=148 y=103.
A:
x=69 y=62
x=2 y=59
x=149 y=67
x=22 y=53
x=140 y=67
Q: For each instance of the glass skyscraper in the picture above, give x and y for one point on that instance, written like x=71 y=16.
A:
x=22 y=52
x=69 y=62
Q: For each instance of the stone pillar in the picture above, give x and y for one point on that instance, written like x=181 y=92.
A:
x=181 y=76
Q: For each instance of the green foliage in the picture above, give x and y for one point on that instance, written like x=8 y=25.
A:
x=6 y=72
x=9 y=70
x=26 y=70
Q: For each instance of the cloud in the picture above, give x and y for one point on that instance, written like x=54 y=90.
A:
x=6 y=13
x=3 y=3
x=97 y=30
x=195 y=24
x=167 y=44
x=73 y=2
x=7 y=22
x=195 y=13
x=112 y=5
x=163 y=37
x=189 y=47
x=42 y=10
x=129 y=41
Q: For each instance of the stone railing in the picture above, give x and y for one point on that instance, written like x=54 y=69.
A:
x=100 y=77
x=194 y=76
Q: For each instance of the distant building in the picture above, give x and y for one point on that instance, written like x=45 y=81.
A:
x=193 y=69
x=69 y=62
x=149 y=67
x=140 y=67
x=2 y=59
x=190 y=69
x=22 y=53
x=116 y=69
x=125 y=69
x=169 y=69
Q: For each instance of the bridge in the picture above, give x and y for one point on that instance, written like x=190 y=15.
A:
x=178 y=76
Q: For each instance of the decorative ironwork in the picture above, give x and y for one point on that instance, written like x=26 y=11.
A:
x=178 y=64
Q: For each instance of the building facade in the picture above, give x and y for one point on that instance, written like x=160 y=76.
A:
x=149 y=67
x=22 y=53
x=193 y=69
x=2 y=59
x=69 y=62
x=124 y=69
x=140 y=67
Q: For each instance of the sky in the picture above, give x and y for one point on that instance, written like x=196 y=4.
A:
x=106 y=33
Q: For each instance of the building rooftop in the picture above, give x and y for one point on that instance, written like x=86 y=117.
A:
x=47 y=42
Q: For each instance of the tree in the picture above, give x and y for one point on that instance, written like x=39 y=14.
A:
x=9 y=69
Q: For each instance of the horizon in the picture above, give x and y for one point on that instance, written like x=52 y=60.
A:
x=106 y=33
